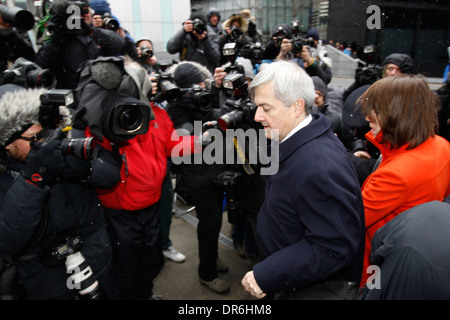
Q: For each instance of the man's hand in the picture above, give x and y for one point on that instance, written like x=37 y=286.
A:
x=285 y=48
x=219 y=74
x=97 y=21
x=362 y=154
x=306 y=56
x=251 y=286
x=200 y=36
x=154 y=84
x=188 y=26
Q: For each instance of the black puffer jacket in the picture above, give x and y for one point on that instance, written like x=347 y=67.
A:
x=34 y=220
x=65 y=55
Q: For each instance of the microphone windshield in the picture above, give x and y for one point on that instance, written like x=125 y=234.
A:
x=108 y=75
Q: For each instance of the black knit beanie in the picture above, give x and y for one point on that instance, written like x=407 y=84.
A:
x=187 y=74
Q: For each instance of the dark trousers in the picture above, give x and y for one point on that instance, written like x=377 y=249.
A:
x=137 y=254
x=207 y=198
x=165 y=211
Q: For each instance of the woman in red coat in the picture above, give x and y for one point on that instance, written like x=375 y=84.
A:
x=415 y=166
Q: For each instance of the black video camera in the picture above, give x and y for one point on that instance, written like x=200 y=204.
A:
x=17 y=17
x=50 y=118
x=110 y=23
x=128 y=118
x=199 y=97
x=199 y=26
x=28 y=74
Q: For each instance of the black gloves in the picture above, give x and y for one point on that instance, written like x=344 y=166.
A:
x=44 y=165
x=76 y=169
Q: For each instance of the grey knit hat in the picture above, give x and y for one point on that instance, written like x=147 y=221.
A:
x=320 y=85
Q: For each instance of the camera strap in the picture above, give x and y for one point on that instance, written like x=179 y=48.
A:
x=241 y=154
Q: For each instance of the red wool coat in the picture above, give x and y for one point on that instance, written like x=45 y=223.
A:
x=404 y=179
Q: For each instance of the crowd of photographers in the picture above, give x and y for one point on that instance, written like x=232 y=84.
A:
x=88 y=128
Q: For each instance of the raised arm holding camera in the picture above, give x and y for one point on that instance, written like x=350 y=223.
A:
x=192 y=41
x=74 y=41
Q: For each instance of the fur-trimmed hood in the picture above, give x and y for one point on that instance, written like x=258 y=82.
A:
x=236 y=17
x=20 y=108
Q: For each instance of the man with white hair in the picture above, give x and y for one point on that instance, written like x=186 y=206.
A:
x=311 y=224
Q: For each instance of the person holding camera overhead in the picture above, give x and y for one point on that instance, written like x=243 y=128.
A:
x=193 y=43
x=68 y=47
x=61 y=220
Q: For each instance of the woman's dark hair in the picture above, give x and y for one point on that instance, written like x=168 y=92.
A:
x=406 y=107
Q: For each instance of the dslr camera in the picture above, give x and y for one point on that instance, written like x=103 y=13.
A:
x=235 y=34
x=253 y=51
x=110 y=23
x=241 y=117
x=234 y=83
x=279 y=35
x=50 y=118
x=199 y=26
x=367 y=75
x=199 y=97
x=167 y=90
x=28 y=74
x=82 y=278
x=146 y=53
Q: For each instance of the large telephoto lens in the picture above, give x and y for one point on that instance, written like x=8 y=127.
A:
x=17 y=17
x=40 y=78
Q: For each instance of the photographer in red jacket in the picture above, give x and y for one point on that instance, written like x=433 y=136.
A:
x=141 y=152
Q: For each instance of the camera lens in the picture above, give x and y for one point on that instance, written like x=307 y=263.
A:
x=80 y=148
x=203 y=100
x=230 y=120
x=130 y=119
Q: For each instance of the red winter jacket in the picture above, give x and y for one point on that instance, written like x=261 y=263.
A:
x=404 y=179
x=144 y=164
